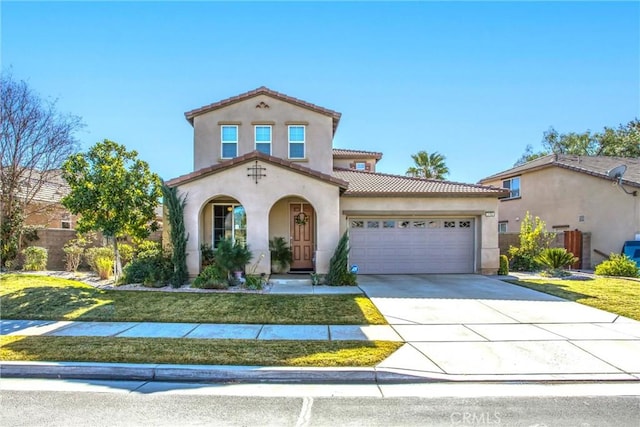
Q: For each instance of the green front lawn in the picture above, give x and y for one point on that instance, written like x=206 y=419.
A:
x=615 y=295
x=195 y=351
x=33 y=297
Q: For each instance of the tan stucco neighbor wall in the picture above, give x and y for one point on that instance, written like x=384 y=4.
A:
x=280 y=114
x=258 y=200
x=576 y=200
x=487 y=251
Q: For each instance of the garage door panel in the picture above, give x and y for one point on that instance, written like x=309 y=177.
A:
x=423 y=246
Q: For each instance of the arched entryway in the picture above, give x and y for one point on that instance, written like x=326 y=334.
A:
x=223 y=218
x=294 y=219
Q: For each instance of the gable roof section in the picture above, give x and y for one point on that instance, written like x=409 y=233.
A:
x=597 y=166
x=343 y=153
x=368 y=184
x=262 y=90
x=256 y=155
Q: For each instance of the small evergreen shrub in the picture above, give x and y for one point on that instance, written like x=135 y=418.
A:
x=533 y=239
x=339 y=274
x=504 y=266
x=253 y=282
x=126 y=253
x=35 y=258
x=618 y=265
x=151 y=267
x=212 y=277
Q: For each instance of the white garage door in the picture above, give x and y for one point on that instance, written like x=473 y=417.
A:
x=412 y=246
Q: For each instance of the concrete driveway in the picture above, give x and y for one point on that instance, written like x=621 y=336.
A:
x=477 y=327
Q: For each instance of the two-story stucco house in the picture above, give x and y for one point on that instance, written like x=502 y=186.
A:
x=574 y=193
x=265 y=167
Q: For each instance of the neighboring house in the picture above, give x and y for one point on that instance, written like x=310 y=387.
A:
x=574 y=192
x=45 y=209
x=265 y=166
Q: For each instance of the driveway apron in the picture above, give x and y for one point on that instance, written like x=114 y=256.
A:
x=478 y=327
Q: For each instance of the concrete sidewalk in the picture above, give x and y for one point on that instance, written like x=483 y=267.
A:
x=455 y=328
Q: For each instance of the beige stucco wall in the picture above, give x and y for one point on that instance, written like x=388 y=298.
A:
x=561 y=197
x=487 y=251
x=318 y=137
x=276 y=188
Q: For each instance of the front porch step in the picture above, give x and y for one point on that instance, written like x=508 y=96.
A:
x=289 y=281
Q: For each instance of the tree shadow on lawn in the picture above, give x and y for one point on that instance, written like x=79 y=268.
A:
x=52 y=303
x=555 y=289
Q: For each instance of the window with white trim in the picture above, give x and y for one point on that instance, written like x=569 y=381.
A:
x=229 y=136
x=296 y=142
x=502 y=227
x=263 y=139
x=361 y=166
x=513 y=185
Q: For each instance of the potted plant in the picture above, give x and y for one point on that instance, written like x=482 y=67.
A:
x=232 y=256
x=281 y=255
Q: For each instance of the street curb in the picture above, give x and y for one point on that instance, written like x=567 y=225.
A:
x=249 y=374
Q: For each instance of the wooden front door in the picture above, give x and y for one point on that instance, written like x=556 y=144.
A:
x=302 y=221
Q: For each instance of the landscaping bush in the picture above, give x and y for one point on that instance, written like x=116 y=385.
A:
x=533 y=239
x=73 y=251
x=208 y=255
x=151 y=267
x=212 y=277
x=555 y=258
x=253 y=281
x=35 y=258
x=339 y=274
x=104 y=267
x=504 y=266
x=126 y=253
x=92 y=255
x=618 y=265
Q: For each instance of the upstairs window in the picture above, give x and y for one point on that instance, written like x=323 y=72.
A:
x=361 y=166
x=229 y=141
x=296 y=142
x=263 y=139
x=513 y=185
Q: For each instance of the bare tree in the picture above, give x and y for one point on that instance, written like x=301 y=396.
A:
x=34 y=141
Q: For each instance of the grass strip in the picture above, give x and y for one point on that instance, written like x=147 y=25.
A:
x=615 y=295
x=33 y=297
x=195 y=351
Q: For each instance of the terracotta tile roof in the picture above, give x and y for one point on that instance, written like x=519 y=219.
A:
x=378 y=184
x=255 y=155
x=343 y=153
x=262 y=90
x=597 y=166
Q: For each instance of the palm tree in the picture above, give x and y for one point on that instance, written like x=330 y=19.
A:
x=428 y=165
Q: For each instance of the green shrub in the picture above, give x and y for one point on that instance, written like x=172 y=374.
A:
x=618 y=265
x=151 y=266
x=533 y=239
x=73 y=251
x=126 y=253
x=253 y=281
x=339 y=274
x=92 y=254
x=104 y=266
x=555 y=258
x=212 y=277
x=208 y=255
x=504 y=266
x=35 y=258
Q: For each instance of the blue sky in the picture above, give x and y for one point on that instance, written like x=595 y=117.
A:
x=475 y=81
